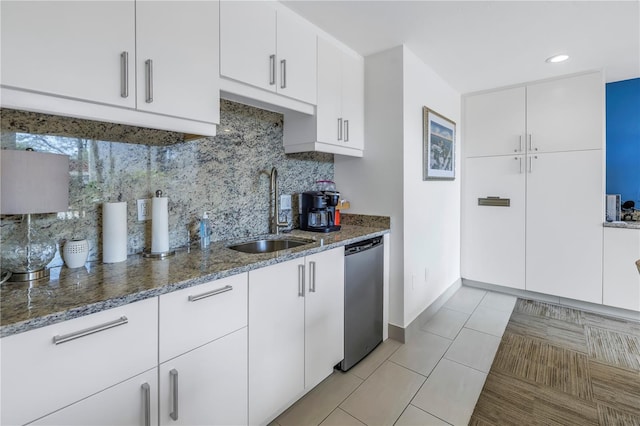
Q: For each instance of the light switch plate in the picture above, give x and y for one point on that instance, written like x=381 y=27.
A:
x=285 y=202
x=144 y=209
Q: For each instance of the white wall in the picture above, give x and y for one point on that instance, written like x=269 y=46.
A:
x=425 y=216
x=431 y=208
x=373 y=184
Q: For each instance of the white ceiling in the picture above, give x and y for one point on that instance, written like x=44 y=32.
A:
x=478 y=45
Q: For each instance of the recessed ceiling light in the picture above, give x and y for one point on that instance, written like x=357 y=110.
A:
x=557 y=58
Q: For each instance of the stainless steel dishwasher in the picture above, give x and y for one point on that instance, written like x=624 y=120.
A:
x=363 y=284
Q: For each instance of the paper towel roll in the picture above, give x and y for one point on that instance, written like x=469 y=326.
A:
x=160 y=225
x=114 y=232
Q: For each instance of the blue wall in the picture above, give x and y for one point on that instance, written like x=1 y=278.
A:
x=623 y=139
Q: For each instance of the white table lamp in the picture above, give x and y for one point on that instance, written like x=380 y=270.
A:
x=31 y=183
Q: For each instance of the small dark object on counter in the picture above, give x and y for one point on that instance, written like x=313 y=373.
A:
x=628 y=205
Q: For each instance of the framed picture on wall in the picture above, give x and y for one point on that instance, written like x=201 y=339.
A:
x=438 y=147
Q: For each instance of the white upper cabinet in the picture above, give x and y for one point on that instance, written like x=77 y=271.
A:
x=338 y=126
x=271 y=49
x=297 y=58
x=144 y=63
x=340 y=97
x=566 y=115
x=329 y=111
x=177 y=59
x=248 y=42
x=551 y=116
x=353 y=101
x=494 y=123
x=70 y=48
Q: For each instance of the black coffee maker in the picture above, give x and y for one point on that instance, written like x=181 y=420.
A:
x=318 y=211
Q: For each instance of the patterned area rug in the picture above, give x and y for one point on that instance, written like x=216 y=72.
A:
x=562 y=366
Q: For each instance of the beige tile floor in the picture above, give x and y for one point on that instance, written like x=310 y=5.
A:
x=434 y=379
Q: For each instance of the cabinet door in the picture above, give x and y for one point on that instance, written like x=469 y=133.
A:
x=70 y=48
x=621 y=286
x=220 y=304
x=276 y=338
x=297 y=65
x=248 y=43
x=565 y=209
x=566 y=114
x=353 y=101
x=54 y=366
x=324 y=315
x=132 y=402
x=329 y=110
x=493 y=238
x=208 y=385
x=181 y=40
x=494 y=123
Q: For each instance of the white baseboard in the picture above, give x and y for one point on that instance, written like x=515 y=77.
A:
x=562 y=301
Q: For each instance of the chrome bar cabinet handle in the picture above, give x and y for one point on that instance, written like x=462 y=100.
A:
x=283 y=74
x=91 y=330
x=312 y=277
x=531 y=148
x=173 y=376
x=519 y=158
x=519 y=144
x=124 y=74
x=346 y=130
x=210 y=293
x=146 y=394
x=272 y=70
x=340 y=128
x=149 y=70
x=301 y=280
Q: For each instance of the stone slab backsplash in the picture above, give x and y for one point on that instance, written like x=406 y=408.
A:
x=226 y=175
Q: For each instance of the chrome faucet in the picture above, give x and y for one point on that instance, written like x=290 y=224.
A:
x=274 y=219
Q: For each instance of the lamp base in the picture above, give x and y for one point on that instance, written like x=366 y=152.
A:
x=40 y=274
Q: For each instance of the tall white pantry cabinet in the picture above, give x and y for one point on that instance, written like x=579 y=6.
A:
x=541 y=147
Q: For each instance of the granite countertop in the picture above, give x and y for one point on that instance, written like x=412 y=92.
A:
x=628 y=225
x=73 y=293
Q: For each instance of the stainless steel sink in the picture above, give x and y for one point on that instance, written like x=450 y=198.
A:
x=269 y=246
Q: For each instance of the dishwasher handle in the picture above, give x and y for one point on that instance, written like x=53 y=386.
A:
x=362 y=246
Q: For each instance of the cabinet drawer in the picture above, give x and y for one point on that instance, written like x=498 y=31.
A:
x=40 y=376
x=196 y=315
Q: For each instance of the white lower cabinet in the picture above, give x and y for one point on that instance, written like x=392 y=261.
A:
x=203 y=354
x=208 y=385
x=323 y=315
x=185 y=357
x=130 y=403
x=493 y=248
x=621 y=278
x=296 y=326
x=276 y=339
x=51 y=367
x=565 y=209
x=549 y=240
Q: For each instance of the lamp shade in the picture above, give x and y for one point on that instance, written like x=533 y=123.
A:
x=33 y=182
